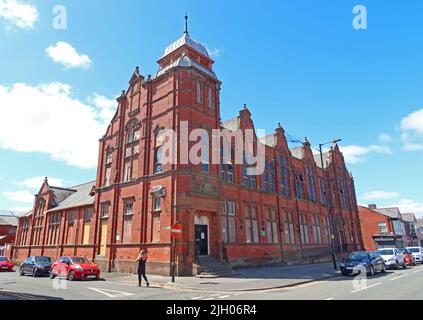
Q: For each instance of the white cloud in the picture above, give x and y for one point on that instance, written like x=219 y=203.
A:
x=356 y=154
x=36 y=182
x=378 y=195
x=384 y=138
x=106 y=107
x=413 y=122
x=19 y=196
x=412 y=131
x=48 y=119
x=66 y=55
x=410 y=206
x=215 y=52
x=411 y=142
x=18 y=13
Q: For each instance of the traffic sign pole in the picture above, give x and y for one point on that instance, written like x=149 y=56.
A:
x=173 y=259
x=176 y=232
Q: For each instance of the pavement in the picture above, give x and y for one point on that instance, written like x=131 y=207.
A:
x=403 y=284
x=250 y=279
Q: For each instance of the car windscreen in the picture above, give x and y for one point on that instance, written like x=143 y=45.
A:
x=43 y=260
x=80 y=260
x=414 y=250
x=358 y=256
x=4 y=259
x=386 y=252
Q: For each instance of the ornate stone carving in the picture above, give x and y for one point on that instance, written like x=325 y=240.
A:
x=206 y=188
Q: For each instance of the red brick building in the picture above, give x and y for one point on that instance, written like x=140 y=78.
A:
x=8 y=226
x=280 y=216
x=375 y=226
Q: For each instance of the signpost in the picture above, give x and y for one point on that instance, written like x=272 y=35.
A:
x=176 y=232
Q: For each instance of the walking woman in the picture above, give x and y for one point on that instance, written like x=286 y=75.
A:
x=142 y=259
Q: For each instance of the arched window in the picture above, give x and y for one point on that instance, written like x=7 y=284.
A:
x=199 y=93
x=210 y=98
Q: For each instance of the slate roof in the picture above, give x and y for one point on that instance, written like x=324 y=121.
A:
x=60 y=194
x=408 y=217
x=298 y=152
x=231 y=124
x=9 y=213
x=26 y=214
x=9 y=220
x=326 y=157
x=390 y=212
x=79 y=197
x=268 y=140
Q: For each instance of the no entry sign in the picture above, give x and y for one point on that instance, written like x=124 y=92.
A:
x=177 y=230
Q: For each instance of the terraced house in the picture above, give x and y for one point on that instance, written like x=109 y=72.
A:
x=229 y=217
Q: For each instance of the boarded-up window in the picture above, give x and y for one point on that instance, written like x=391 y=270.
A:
x=127 y=229
x=156 y=228
x=86 y=238
x=107 y=177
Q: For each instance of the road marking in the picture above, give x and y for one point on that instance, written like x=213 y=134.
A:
x=214 y=295
x=415 y=271
x=331 y=298
x=196 y=298
x=112 y=293
x=223 y=297
x=209 y=299
x=404 y=275
x=373 y=285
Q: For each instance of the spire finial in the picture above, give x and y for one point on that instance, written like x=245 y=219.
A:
x=186 y=24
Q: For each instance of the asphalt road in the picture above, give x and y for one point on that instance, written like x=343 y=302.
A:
x=399 y=284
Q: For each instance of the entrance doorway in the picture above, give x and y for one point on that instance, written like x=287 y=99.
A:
x=202 y=239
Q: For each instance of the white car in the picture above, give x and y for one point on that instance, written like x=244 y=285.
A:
x=392 y=257
x=417 y=253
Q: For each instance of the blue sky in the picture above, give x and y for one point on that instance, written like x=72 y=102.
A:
x=298 y=62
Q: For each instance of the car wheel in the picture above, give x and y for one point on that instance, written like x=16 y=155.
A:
x=21 y=272
x=52 y=274
x=344 y=273
x=383 y=270
x=71 y=276
x=372 y=271
x=34 y=273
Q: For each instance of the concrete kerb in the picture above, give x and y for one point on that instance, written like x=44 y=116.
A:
x=181 y=287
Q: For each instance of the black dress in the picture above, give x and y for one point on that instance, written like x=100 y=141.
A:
x=141 y=271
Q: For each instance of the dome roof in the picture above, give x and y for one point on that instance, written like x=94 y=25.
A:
x=186 y=40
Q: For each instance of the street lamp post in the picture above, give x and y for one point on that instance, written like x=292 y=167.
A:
x=332 y=235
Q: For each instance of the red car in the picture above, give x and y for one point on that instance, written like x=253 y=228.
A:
x=5 y=264
x=75 y=268
x=408 y=257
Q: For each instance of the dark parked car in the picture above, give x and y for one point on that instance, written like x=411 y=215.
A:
x=360 y=261
x=36 y=266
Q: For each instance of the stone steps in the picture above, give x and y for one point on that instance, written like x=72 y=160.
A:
x=213 y=268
